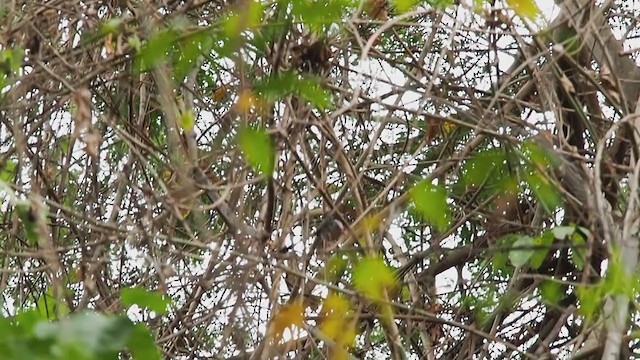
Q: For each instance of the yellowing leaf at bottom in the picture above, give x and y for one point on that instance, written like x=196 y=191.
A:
x=287 y=317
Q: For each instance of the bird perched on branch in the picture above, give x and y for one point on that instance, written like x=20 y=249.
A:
x=328 y=235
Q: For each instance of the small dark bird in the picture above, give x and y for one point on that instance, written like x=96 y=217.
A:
x=328 y=235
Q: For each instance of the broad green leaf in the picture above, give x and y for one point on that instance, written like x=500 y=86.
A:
x=156 y=49
x=11 y=60
x=320 y=15
x=563 y=232
x=590 y=297
x=525 y=8
x=314 y=93
x=8 y=171
x=258 y=149
x=430 y=201
x=371 y=276
x=246 y=17
x=542 y=244
x=135 y=42
x=617 y=280
x=499 y=261
x=489 y=165
x=26 y=321
x=142 y=345
x=151 y=300
x=551 y=292
x=191 y=49
x=523 y=251
x=544 y=190
x=402 y=6
x=96 y=334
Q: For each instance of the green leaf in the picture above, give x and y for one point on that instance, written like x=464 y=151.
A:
x=279 y=86
x=563 y=232
x=7 y=173
x=499 y=261
x=151 y=300
x=142 y=345
x=524 y=251
x=617 y=281
x=156 y=49
x=191 y=48
x=96 y=335
x=258 y=149
x=431 y=202
x=544 y=190
x=371 y=276
x=51 y=308
x=314 y=93
x=542 y=244
x=320 y=15
x=187 y=120
x=246 y=17
x=402 y=6
x=487 y=165
x=551 y=292
x=590 y=298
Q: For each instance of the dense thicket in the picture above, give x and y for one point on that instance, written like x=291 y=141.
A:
x=331 y=179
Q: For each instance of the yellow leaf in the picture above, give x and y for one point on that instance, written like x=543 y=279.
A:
x=335 y=305
x=340 y=354
x=287 y=317
x=336 y=324
x=525 y=8
x=246 y=101
x=371 y=222
x=448 y=127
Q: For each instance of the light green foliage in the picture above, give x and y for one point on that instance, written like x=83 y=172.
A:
x=257 y=149
x=320 y=15
x=151 y=300
x=430 y=201
x=539 y=164
x=308 y=88
x=522 y=252
x=541 y=245
x=371 y=276
x=551 y=292
x=527 y=9
x=86 y=335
